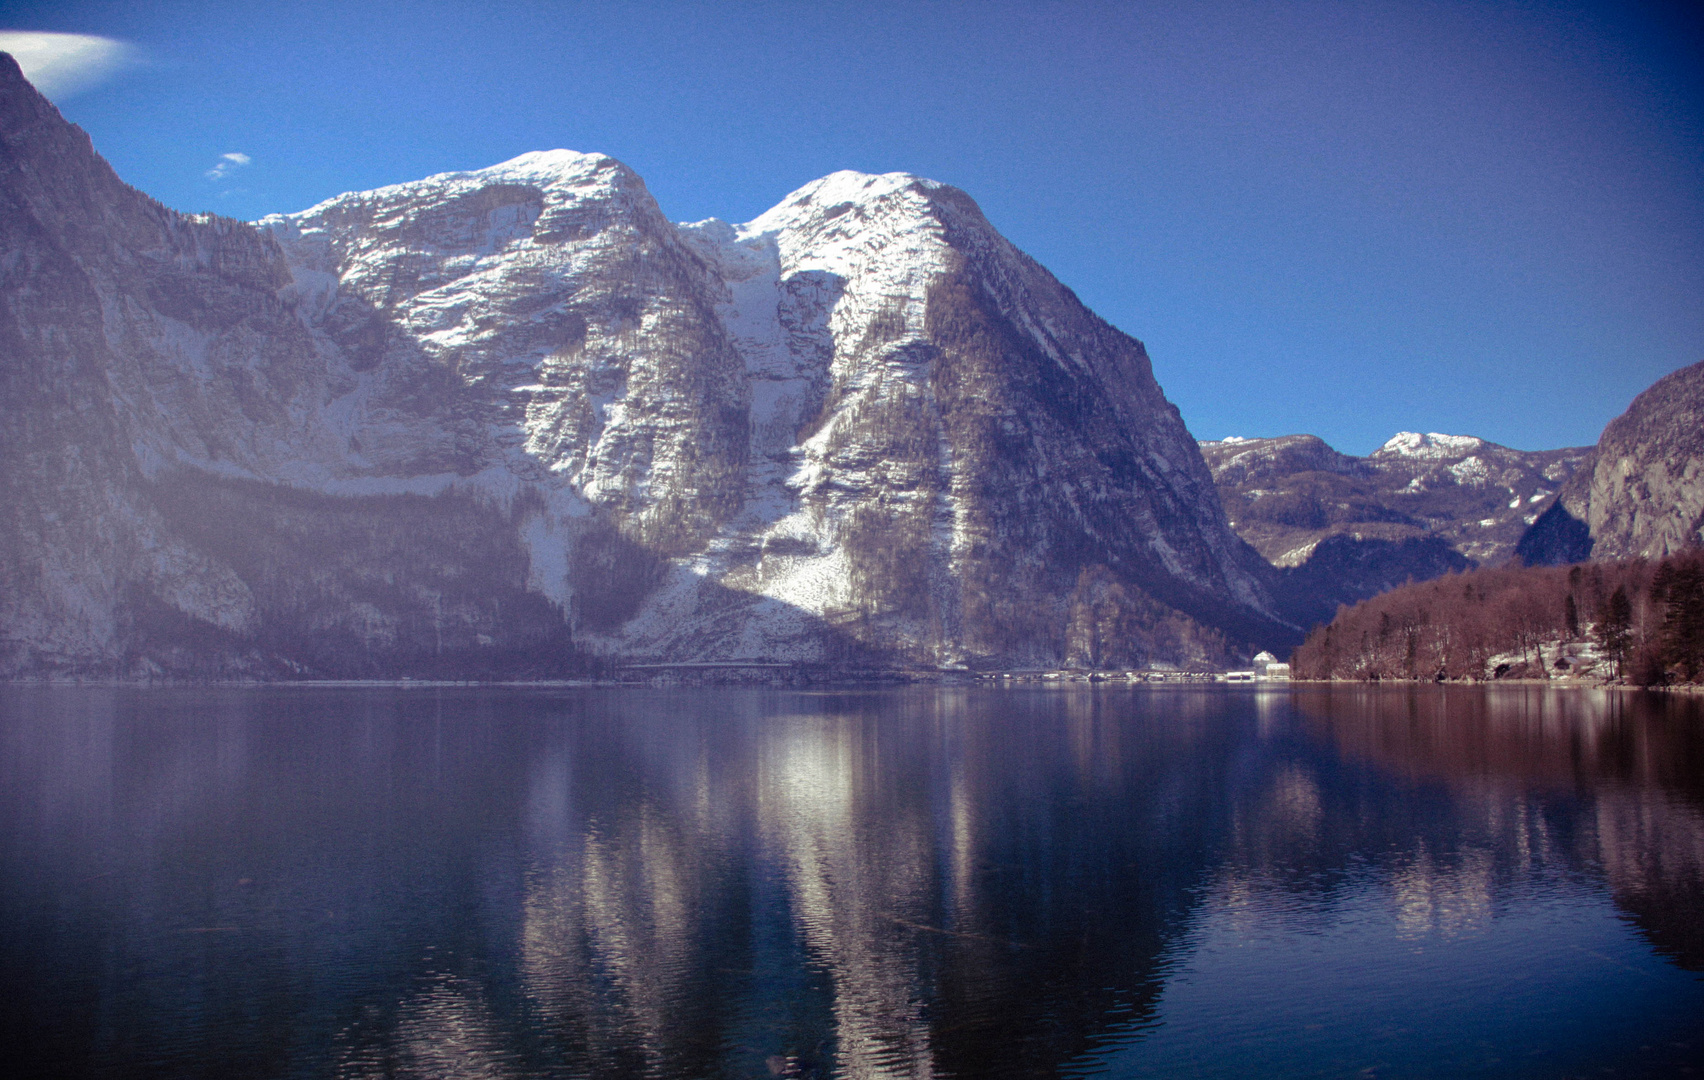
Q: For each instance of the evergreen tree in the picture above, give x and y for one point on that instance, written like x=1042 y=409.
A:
x=1615 y=627
x=1678 y=589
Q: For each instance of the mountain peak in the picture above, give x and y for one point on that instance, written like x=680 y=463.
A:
x=853 y=196
x=22 y=106
x=1432 y=446
x=565 y=172
x=549 y=163
x=851 y=186
x=11 y=72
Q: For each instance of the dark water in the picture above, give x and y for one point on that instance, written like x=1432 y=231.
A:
x=1224 y=882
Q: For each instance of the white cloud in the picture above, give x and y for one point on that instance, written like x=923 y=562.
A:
x=61 y=65
x=228 y=164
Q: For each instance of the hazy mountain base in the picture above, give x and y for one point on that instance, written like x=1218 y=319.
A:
x=385 y=587
x=328 y=587
x=436 y=587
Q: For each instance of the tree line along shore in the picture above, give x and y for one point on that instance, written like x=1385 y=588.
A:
x=1634 y=622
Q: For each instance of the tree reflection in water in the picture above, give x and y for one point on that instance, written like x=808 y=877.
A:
x=1599 y=781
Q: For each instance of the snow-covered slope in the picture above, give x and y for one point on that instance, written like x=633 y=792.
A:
x=1429 y=447
x=935 y=423
x=514 y=419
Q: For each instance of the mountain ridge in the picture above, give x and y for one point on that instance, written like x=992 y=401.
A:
x=1286 y=494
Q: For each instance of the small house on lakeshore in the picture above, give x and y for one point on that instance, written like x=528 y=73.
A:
x=1266 y=666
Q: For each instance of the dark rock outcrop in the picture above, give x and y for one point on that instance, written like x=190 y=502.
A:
x=1642 y=493
x=1557 y=538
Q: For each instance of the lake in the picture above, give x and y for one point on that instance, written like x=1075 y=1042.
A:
x=968 y=882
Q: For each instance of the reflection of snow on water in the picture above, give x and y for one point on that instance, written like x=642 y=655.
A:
x=1453 y=900
x=857 y=884
x=865 y=883
x=445 y=1030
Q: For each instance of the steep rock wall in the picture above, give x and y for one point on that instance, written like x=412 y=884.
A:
x=1642 y=493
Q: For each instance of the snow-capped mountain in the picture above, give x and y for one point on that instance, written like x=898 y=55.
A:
x=509 y=419
x=1285 y=495
x=1343 y=528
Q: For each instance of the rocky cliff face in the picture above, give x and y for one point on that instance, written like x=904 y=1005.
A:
x=513 y=420
x=1344 y=528
x=167 y=410
x=1642 y=493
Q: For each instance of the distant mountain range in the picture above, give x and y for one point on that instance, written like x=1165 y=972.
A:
x=1288 y=494
x=1345 y=528
x=514 y=422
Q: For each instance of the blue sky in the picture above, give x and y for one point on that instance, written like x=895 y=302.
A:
x=1339 y=218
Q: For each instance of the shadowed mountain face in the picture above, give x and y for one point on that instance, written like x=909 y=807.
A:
x=1342 y=529
x=1641 y=495
x=516 y=420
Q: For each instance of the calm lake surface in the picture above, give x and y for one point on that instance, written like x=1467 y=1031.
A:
x=1124 y=882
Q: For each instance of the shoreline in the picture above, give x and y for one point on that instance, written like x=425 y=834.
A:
x=1002 y=680
x=1550 y=684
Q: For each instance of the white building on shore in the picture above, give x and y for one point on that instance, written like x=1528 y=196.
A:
x=1267 y=666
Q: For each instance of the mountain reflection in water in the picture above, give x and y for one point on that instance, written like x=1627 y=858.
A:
x=952 y=882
